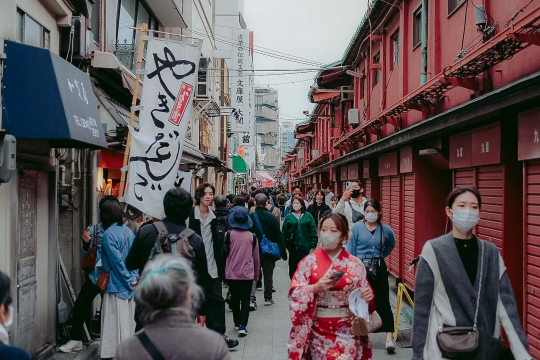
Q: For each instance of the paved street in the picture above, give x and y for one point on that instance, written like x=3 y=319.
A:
x=269 y=327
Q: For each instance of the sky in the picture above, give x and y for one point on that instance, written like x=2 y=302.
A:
x=317 y=30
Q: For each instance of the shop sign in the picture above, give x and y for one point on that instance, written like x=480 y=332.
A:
x=352 y=171
x=365 y=169
x=388 y=164
x=486 y=145
x=406 y=160
x=240 y=84
x=529 y=135
x=344 y=172
x=460 y=150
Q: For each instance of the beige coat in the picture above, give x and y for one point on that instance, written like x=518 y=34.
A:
x=177 y=337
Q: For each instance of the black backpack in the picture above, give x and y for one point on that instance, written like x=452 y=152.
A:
x=172 y=243
x=222 y=226
x=282 y=199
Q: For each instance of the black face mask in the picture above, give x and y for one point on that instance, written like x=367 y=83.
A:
x=356 y=193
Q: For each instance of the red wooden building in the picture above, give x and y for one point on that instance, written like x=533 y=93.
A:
x=431 y=95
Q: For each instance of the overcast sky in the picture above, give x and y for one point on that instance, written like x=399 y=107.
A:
x=318 y=30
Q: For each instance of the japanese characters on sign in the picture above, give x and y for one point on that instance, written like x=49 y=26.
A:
x=166 y=102
x=241 y=84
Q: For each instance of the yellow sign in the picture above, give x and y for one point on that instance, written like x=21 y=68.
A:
x=400 y=291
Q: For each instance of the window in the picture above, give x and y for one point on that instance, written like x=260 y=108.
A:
x=417 y=27
x=30 y=32
x=453 y=5
x=95 y=20
x=395 y=50
x=377 y=73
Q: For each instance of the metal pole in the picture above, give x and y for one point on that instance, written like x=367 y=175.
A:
x=140 y=51
x=424 y=23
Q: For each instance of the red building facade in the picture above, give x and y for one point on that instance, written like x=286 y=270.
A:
x=414 y=116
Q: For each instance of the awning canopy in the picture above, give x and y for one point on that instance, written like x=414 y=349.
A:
x=333 y=78
x=303 y=129
x=45 y=97
x=265 y=175
x=212 y=160
x=322 y=96
x=191 y=155
x=239 y=165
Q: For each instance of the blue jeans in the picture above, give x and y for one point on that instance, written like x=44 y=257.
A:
x=282 y=211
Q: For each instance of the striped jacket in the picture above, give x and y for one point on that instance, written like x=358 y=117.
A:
x=444 y=295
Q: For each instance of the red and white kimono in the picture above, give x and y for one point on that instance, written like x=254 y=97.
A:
x=322 y=323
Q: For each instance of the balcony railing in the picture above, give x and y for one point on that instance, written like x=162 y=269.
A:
x=127 y=55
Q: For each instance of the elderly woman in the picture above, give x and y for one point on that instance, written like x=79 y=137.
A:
x=169 y=298
x=319 y=299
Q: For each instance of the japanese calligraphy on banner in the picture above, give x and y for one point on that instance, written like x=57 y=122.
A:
x=183 y=180
x=156 y=149
x=248 y=138
x=240 y=81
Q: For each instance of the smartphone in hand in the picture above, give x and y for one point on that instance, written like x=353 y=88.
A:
x=337 y=275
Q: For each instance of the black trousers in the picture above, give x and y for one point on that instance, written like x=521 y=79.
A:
x=82 y=305
x=240 y=297
x=382 y=298
x=215 y=306
x=295 y=256
x=268 y=267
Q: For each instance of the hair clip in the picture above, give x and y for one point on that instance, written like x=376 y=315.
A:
x=161 y=270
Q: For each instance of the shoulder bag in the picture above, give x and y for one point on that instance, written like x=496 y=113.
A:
x=372 y=263
x=461 y=342
x=88 y=263
x=103 y=279
x=268 y=248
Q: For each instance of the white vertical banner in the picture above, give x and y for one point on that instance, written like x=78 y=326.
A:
x=248 y=138
x=240 y=81
x=183 y=180
x=167 y=98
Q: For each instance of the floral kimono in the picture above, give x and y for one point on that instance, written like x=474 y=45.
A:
x=322 y=323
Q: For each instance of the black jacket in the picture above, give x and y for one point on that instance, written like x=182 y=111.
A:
x=271 y=228
x=318 y=211
x=146 y=239
x=195 y=225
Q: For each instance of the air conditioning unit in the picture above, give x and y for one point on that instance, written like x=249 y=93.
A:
x=203 y=78
x=354 y=116
x=345 y=96
x=314 y=153
x=77 y=42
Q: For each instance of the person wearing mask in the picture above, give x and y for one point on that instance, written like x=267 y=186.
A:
x=296 y=192
x=169 y=298
x=92 y=236
x=352 y=204
x=177 y=204
x=373 y=240
x=118 y=307
x=328 y=196
x=281 y=201
x=242 y=266
x=318 y=207
x=202 y=220
x=300 y=233
x=271 y=229
x=7 y=312
x=456 y=273
x=333 y=201
x=322 y=325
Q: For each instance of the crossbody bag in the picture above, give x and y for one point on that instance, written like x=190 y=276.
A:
x=372 y=263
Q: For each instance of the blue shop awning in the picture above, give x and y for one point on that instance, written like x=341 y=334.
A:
x=45 y=97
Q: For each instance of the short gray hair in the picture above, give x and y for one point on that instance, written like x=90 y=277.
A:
x=261 y=199
x=165 y=283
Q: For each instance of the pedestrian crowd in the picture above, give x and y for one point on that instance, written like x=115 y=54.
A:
x=161 y=283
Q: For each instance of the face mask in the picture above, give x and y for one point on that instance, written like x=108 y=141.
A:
x=465 y=220
x=329 y=241
x=9 y=321
x=356 y=193
x=318 y=202
x=371 y=217
x=297 y=207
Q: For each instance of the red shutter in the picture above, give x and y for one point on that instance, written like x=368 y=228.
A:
x=491 y=187
x=395 y=215
x=464 y=178
x=386 y=209
x=532 y=258
x=408 y=229
x=367 y=186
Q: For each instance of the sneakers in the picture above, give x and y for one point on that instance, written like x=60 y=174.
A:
x=390 y=345
x=71 y=346
x=268 y=302
x=236 y=327
x=259 y=288
x=242 y=331
x=273 y=289
x=231 y=343
x=253 y=306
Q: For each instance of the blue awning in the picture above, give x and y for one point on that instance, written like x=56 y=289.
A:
x=45 y=97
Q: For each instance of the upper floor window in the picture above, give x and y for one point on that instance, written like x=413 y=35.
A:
x=30 y=32
x=395 y=49
x=377 y=73
x=453 y=5
x=417 y=27
x=96 y=20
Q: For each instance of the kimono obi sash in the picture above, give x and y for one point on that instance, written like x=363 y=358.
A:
x=330 y=306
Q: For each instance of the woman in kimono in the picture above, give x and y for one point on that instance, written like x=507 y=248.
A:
x=322 y=324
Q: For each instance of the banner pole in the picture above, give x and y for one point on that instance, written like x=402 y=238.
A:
x=140 y=51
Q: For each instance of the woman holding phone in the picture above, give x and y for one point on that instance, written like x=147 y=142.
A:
x=319 y=298
x=352 y=203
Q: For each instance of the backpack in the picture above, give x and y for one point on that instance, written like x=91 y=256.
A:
x=227 y=242
x=282 y=199
x=165 y=243
x=222 y=226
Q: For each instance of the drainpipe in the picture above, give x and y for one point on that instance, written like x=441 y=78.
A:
x=423 y=70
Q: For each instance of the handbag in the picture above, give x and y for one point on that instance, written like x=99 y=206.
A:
x=372 y=264
x=103 y=279
x=268 y=247
x=363 y=328
x=461 y=342
x=88 y=262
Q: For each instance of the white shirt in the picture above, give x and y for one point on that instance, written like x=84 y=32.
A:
x=206 y=234
x=344 y=209
x=328 y=199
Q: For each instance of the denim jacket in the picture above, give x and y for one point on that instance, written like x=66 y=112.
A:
x=115 y=248
x=94 y=274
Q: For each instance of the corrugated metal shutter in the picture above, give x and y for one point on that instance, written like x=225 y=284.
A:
x=368 y=188
x=491 y=187
x=408 y=229
x=464 y=178
x=395 y=215
x=386 y=209
x=532 y=265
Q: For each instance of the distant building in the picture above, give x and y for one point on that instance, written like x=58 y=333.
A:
x=286 y=138
x=267 y=115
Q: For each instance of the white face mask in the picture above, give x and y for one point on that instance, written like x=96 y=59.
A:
x=296 y=207
x=465 y=220
x=371 y=217
x=329 y=240
x=9 y=321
